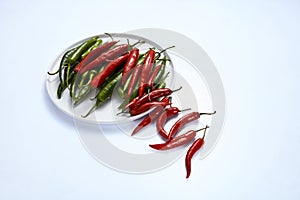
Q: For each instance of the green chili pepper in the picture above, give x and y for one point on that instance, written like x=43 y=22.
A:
x=126 y=101
x=63 y=63
x=83 y=92
x=105 y=93
x=127 y=83
x=82 y=48
x=161 y=72
x=92 y=74
x=162 y=85
x=73 y=86
x=61 y=87
x=65 y=57
x=76 y=56
x=86 y=89
x=83 y=78
x=121 y=92
x=162 y=81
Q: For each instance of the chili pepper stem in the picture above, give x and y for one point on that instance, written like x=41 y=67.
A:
x=207 y=113
x=159 y=53
x=109 y=35
x=166 y=49
x=91 y=110
x=149 y=94
x=122 y=112
x=53 y=73
x=206 y=127
x=185 y=110
x=177 y=89
x=138 y=42
x=201 y=129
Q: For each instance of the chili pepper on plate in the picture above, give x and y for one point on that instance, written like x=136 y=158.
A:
x=185 y=120
x=155 y=94
x=103 y=58
x=153 y=76
x=100 y=78
x=146 y=69
x=133 y=80
x=191 y=152
x=94 y=54
x=177 y=141
x=147 y=106
x=108 y=70
x=130 y=64
x=77 y=54
x=105 y=93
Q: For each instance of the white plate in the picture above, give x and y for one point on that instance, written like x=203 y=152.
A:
x=105 y=113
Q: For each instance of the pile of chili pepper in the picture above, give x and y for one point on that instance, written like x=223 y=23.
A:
x=94 y=65
x=97 y=66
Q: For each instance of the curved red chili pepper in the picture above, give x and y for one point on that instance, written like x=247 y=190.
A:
x=153 y=76
x=177 y=141
x=133 y=80
x=109 y=55
x=147 y=106
x=130 y=64
x=155 y=94
x=108 y=70
x=147 y=65
x=94 y=54
x=150 y=117
x=185 y=120
x=162 y=119
x=191 y=152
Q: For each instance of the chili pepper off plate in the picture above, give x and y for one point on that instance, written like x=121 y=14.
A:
x=105 y=113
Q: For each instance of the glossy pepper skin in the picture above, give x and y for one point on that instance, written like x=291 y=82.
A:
x=94 y=54
x=105 y=57
x=147 y=66
x=162 y=119
x=185 y=120
x=151 y=79
x=108 y=70
x=152 y=95
x=106 y=92
x=147 y=106
x=177 y=141
x=133 y=80
x=80 y=50
x=150 y=117
x=191 y=152
x=130 y=64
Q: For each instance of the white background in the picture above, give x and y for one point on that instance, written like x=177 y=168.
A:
x=255 y=46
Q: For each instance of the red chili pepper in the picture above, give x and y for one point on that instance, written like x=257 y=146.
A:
x=162 y=119
x=147 y=106
x=185 y=120
x=132 y=102
x=109 y=55
x=190 y=153
x=155 y=94
x=151 y=117
x=177 y=141
x=147 y=65
x=130 y=64
x=153 y=76
x=94 y=54
x=108 y=70
x=133 y=80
